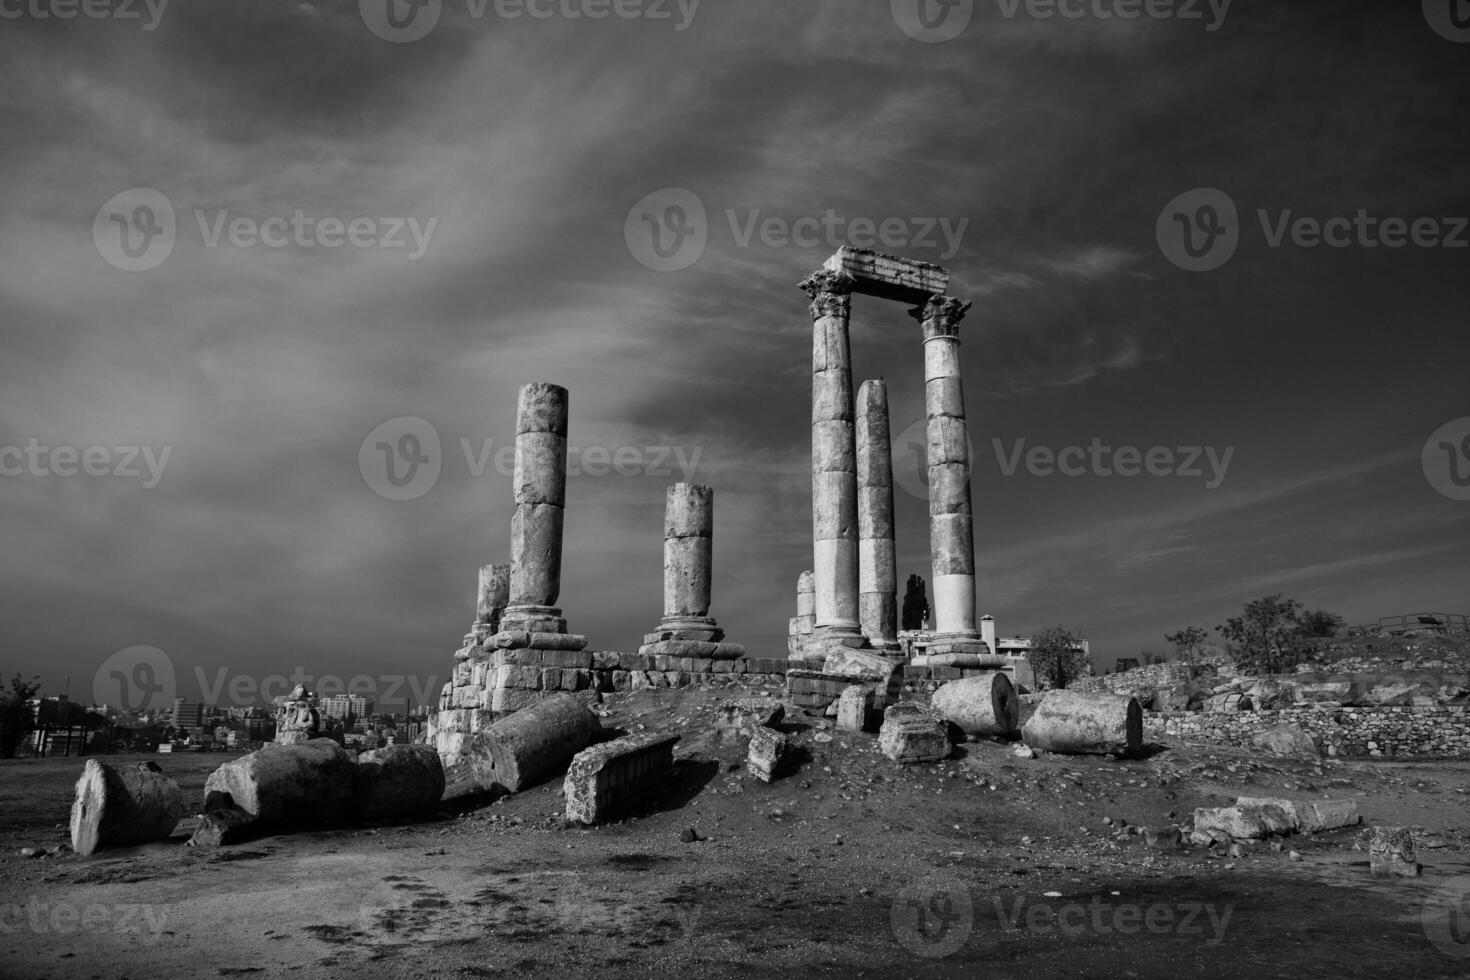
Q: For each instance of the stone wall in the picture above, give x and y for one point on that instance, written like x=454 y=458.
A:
x=1374 y=732
x=1151 y=676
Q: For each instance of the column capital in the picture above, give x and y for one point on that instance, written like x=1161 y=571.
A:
x=940 y=316
x=831 y=293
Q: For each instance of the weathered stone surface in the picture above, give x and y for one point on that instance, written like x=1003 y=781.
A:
x=853 y=706
x=1228 y=702
x=285 y=786
x=877 y=567
x=1391 y=853
x=693 y=648
x=223 y=827
x=887 y=276
x=1075 y=722
x=122 y=808
x=1249 y=822
x=519 y=639
x=531 y=744
x=766 y=753
x=396 y=781
x=1285 y=740
x=1162 y=838
x=606 y=777
x=967 y=660
x=745 y=715
x=982 y=705
x=912 y=733
x=1308 y=816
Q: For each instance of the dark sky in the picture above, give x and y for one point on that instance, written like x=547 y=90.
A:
x=1055 y=144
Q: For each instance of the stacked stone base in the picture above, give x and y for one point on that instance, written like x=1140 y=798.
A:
x=607 y=777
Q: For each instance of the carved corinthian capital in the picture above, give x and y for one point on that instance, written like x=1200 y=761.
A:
x=940 y=316
x=831 y=293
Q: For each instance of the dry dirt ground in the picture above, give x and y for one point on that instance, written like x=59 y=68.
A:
x=986 y=865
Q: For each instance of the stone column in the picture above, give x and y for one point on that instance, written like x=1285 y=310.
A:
x=834 y=462
x=799 y=627
x=687 y=629
x=531 y=617
x=951 y=526
x=877 y=565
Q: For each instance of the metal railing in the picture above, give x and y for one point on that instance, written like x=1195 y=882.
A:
x=1413 y=623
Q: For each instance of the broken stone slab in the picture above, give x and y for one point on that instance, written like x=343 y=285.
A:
x=853 y=706
x=982 y=705
x=1249 y=822
x=912 y=733
x=397 y=781
x=861 y=664
x=606 y=777
x=693 y=648
x=1285 y=740
x=766 y=753
x=223 y=827
x=523 y=640
x=1162 y=838
x=959 y=660
x=1228 y=703
x=1391 y=853
x=531 y=744
x=745 y=715
x=1309 y=816
x=1078 y=723
x=285 y=786
x=123 y=808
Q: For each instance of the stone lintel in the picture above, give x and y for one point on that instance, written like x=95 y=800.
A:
x=888 y=276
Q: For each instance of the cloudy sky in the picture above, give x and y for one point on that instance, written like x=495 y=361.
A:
x=176 y=277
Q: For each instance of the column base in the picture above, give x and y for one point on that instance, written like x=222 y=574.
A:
x=532 y=619
x=825 y=640
x=965 y=643
x=693 y=648
x=697 y=628
x=526 y=640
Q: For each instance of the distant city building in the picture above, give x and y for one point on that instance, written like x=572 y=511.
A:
x=342 y=705
x=188 y=714
x=1126 y=663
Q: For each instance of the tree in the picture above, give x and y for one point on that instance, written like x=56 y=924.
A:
x=1320 y=622
x=1056 y=656
x=1188 y=642
x=15 y=713
x=915 y=604
x=1267 y=637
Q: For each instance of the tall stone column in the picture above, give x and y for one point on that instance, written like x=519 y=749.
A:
x=877 y=564
x=687 y=629
x=951 y=525
x=834 y=463
x=531 y=617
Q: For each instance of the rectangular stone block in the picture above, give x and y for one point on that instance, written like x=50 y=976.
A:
x=577 y=659
x=550 y=678
x=606 y=660
x=525 y=678
x=633 y=661
x=767 y=751
x=506 y=700
x=607 y=777
x=888 y=276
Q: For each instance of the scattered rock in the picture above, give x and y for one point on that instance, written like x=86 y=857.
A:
x=1023 y=751
x=32 y=852
x=767 y=753
x=913 y=733
x=1285 y=740
x=1391 y=853
x=690 y=836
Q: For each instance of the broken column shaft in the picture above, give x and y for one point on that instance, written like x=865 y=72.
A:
x=536 y=530
x=951 y=525
x=877 y=568
x=834 y=463
x=687 y=629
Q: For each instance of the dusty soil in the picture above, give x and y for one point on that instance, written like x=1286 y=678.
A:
x=987 y=864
